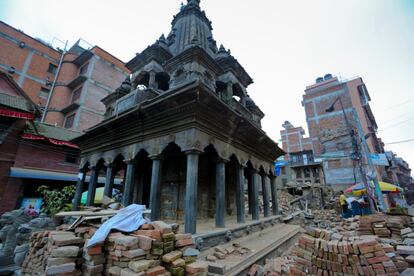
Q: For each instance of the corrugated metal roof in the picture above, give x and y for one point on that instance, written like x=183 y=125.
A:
x=19 y=103
x=50 y=131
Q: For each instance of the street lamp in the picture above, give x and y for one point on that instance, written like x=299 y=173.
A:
x=356 y=155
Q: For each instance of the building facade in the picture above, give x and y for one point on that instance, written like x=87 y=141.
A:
x=31 y=153
x=336 y=110
x=74 y=90
x=300 y=166
x=185 y=132
x=399 y=173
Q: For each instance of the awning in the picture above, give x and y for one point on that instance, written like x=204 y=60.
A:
x=50 y=175
x=29 y=136
x=6 y=112
x=384 y=186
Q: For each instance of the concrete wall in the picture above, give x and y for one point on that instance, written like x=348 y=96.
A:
x=31 y=62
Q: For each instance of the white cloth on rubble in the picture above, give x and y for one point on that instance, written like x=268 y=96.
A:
x=128 y=219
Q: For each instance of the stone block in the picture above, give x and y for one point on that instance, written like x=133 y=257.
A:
x=114 y=271
x=168 y=237
x=177 y=271
x=129 y=272
x=144 y=242
x=134 y=253
x=172 y=256
x=65 y=251
x=188 y=252
x=196 y=267
x=157 y=270
x=211 y=258
x=182 y=243
x=58 y=261
x=217 y=268
x=60 y=269
x=155 y=234
x=182 y=237
x=162 y=227
x=66 y=239
x=126 y=241
x=141 y=265
x=219 y=255
x=405 y=250
x=178 y=263
x=94 y=250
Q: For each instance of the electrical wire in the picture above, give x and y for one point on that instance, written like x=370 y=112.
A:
x=397 y=124
x=400 y=104
x=400 y=142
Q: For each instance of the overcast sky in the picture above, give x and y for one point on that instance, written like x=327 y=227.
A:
x=283 y=45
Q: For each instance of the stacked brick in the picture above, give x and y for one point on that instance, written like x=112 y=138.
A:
x=152 y=250
x=318 y=254
x=382 y=225
x=53 y=253
x=37 y=256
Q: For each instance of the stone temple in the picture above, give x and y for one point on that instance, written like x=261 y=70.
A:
x=183 y=133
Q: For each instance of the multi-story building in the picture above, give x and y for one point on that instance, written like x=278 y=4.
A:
x=399 y=173
x=74 y=89
x=300 y=166
x=335 y=109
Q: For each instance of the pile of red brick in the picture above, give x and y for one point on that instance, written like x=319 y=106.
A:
x=382 y=225
x=152 y=250
x=318 y=254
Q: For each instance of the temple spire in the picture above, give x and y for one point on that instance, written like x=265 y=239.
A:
x=194 y=3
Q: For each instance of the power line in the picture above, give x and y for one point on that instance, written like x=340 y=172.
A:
x=397 y=124
x=400 y=104
x=400 y=142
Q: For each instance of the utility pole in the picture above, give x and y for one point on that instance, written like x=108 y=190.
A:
x=54 y=84
x=370 y=164
x=356 y=154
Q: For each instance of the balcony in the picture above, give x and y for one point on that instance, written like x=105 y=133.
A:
x=77 y=81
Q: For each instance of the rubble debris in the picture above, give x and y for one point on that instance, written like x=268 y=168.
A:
x=153 y=249
x=317 y=253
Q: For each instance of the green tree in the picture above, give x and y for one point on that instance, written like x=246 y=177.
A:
x=56 y=200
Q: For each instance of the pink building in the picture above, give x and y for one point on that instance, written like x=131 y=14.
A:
x=329 y=130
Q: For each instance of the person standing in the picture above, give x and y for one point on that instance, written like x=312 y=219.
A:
x=344 y=204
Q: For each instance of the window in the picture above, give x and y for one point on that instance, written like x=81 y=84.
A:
x=298 y=174
x=69 y=121
x=284 y=181
x=44 y=93
x=52 y=68
x=83 y=69
x=283 y=170
x=76 y=94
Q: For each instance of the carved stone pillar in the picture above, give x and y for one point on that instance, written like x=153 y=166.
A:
x=129 y=182
x=152 y=84
x=109 y=179
x=228 y=94
x=154 y=204
x=221 y=192
x=79 y=188
x=240 y=193
x=190 y=201
x=265 y=196
x=275 y=205
x=93 y=180
x=255 y=195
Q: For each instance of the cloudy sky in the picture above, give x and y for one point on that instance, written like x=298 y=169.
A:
x=283 y=45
